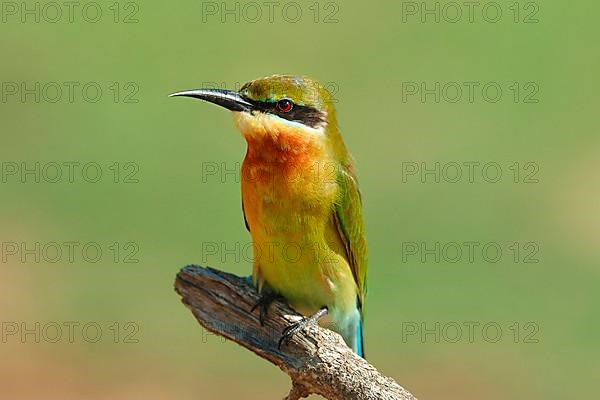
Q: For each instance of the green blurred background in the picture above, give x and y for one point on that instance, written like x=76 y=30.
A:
x=366 y=52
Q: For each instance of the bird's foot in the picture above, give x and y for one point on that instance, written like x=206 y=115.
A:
x=296 y=327
x=266 y=298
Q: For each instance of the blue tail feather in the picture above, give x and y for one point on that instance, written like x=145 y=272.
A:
x=360 y=349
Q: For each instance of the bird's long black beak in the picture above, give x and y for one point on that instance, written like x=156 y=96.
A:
x=225 y=98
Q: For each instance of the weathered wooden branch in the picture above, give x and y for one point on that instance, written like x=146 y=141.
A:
x=318 y=361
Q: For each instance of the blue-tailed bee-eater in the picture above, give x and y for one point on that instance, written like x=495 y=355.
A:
x=300 y=201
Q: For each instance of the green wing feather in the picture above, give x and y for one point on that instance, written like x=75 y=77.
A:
x=350 y=225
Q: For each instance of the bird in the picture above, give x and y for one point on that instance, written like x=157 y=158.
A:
x=301 y=202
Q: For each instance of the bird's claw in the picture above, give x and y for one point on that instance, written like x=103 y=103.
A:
x=291 y=330
x=264 y=302
x=296 y=327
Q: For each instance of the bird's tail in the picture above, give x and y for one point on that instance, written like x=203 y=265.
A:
x=360 y=348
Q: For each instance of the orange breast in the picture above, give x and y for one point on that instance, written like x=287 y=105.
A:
x=287 y=180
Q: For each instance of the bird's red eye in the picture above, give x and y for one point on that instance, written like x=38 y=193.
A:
x=285 y=105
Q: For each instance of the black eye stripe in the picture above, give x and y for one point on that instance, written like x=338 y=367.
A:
x=306 y=115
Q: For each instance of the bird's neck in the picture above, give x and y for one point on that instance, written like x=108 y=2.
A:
x=284 y=148
x=273 y=140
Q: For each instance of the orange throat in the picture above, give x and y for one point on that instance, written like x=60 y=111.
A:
x=285 y=144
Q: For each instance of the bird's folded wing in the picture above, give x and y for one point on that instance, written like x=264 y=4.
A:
x=350 y=225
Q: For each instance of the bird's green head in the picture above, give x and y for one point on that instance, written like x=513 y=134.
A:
x=275 y=104
x=298 y=99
